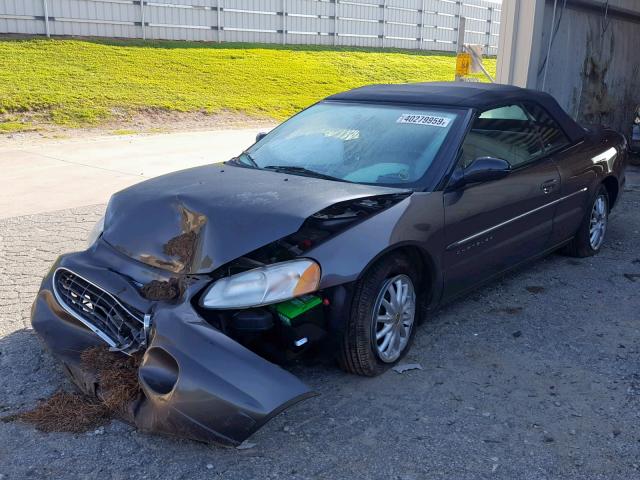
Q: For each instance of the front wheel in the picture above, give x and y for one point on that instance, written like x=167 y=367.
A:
x=383 y=317
x=591 y=234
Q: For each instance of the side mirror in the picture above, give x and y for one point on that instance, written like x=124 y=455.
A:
x=482 y=169
x=260 y=136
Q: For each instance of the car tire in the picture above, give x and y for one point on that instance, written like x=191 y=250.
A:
x=588 y=240
x=359 y=353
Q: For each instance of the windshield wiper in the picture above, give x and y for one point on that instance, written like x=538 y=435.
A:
x=303 y=171
x=398 y=177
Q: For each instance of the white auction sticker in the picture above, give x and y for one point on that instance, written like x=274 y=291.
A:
x=418 y=119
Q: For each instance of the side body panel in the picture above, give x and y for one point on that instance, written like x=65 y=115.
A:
x=417 y=222
x=493 y=226
x=576 y=173
x=586 y=165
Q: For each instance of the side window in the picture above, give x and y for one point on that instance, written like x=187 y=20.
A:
x=552 y=135
x=510 y=112
x=506 y=132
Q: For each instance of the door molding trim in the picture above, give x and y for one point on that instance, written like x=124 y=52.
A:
x=511 y=220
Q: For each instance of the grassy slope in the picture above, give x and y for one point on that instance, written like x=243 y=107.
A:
x=74 y=82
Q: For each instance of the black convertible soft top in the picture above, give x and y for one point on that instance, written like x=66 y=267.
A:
x=480 y=96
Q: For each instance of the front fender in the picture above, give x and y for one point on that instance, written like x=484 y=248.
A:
x=199 y=383
x=195 y=381
x=417 y=220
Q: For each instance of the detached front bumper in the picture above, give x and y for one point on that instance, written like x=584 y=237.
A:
x=195 y=381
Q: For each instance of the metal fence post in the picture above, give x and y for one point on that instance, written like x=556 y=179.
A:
x=335 y=22
x=46 y=18
x=462 y=21
x=461 y=30
x=384 y=21
x=421 y=36
x=284 y=22
x=219 y=21
x=144 y=32
x=460 y=46
x=489 y=22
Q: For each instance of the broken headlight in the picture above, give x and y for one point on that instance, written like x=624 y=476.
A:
x=264 y=285
x=96 y=231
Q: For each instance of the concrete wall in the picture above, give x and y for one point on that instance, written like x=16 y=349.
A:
x=594 y=63
x=519 y=41
x=594 y=66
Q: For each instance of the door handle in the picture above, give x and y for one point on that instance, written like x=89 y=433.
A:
x=548 y=186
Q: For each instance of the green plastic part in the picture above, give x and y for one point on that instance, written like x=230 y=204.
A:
x=294 y=308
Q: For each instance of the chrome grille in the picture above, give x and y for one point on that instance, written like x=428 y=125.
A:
x=121 y=326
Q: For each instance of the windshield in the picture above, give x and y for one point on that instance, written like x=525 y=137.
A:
x=356 y=142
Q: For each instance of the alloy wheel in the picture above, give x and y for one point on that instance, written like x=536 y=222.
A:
x=598 y=222
x=393 y=318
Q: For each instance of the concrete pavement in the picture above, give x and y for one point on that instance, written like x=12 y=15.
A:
x=533 y=377
x=45 y=175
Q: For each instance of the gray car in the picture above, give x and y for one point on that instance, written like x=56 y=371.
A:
x=343 y=228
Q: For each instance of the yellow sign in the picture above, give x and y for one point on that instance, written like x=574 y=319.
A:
x=463 y=64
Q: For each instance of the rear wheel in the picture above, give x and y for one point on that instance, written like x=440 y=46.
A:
x=383 y=318
x=591 y=234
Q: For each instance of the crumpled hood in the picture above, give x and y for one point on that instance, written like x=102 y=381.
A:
x=195 y=220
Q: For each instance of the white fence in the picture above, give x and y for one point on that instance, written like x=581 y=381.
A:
x=411 y=24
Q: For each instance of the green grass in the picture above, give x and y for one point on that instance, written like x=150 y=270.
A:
x=10 y=123
x=7 y=126
x=82 y=82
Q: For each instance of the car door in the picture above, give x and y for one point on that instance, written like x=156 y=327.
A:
x=570 y=209
x=492 y=226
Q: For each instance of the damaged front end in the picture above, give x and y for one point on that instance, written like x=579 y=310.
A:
x=123 y=328
x=194 y=381
x=278 y=322
x=204 y=299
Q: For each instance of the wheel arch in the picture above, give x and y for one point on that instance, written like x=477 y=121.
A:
x=430 y=275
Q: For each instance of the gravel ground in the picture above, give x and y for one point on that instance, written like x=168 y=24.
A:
x=536 y=376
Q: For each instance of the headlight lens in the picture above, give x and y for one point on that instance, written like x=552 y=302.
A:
x=264 y=286
x=96 y=231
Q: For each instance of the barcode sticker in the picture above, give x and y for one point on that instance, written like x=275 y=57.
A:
x=417 y=119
